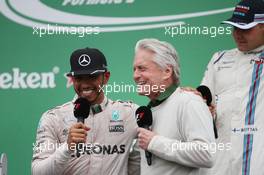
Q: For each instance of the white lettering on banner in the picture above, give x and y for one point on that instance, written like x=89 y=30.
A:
x=23 y=80
x=44 y=15
x=95 y=2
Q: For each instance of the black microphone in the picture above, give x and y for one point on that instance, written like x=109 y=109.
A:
x=81 y=112
x=144 y=120
x=207 y=95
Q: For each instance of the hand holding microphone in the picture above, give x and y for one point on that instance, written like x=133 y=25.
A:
x=78 y=132
x=144 y=121
x=207 y=95
x=145 y=136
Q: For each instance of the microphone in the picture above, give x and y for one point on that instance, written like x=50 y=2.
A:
x=81 y=112
x=144 y=120
x=207 y=95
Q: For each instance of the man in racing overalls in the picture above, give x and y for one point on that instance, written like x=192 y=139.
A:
x=236 y=79
x=108 y=132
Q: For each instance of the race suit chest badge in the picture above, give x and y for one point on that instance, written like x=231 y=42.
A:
x=116 y=124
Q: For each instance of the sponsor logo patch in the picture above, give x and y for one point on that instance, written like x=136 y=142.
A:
x=116 y=128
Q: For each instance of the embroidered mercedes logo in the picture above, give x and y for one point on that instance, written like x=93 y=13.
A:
x=84 y=60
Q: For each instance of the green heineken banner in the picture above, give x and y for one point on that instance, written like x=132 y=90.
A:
x=38 y=36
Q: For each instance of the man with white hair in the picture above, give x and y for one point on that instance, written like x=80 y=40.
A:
x=182 y=131
x=235 y=78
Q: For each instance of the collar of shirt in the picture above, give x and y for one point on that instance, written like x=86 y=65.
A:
x=163 y=96
x=97 y=108
x=255 y=51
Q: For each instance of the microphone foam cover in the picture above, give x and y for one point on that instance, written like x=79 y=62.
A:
x=81 y=108
x=206 y=93
x=144 y=116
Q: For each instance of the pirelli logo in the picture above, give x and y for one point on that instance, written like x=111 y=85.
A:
x=116 y=128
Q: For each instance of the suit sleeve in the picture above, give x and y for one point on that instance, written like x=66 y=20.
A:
x=209 y=75
x=49 y=156
x=134 y=155
x=134 y=160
